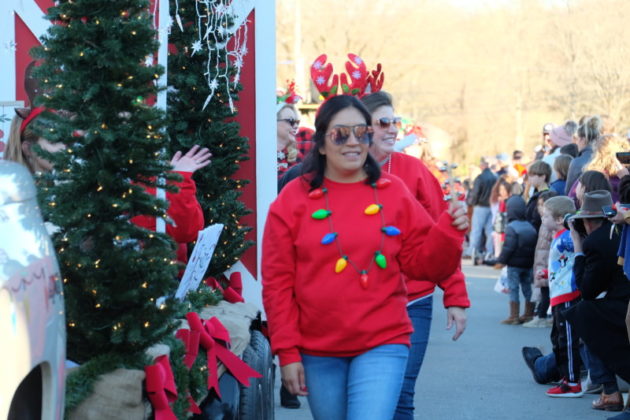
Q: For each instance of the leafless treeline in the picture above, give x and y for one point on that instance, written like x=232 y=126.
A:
x=491 y=77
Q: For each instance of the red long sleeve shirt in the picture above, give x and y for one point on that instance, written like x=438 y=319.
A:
x=183 y=209
x=314 y=310
x=427 y=190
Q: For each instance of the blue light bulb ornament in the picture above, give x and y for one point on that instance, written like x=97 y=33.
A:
x=391 y=230
x=329 y=238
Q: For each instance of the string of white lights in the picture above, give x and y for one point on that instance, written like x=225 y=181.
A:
x=214 y=23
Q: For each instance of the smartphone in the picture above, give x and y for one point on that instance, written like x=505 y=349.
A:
x=609 y=211
x=623 y=157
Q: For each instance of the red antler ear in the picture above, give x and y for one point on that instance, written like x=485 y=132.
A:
x=293 y=96
x=358 y=75
x=374 y=80
x=320 y=74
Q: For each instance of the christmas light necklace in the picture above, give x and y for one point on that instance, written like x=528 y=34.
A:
x=332 y=236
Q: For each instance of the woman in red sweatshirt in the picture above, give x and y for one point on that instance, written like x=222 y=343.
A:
x=335 y=244
x=427 y=190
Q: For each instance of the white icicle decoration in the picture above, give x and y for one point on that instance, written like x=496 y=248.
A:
x=209 y=25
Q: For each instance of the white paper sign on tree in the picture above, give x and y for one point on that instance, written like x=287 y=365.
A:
x=207 y=240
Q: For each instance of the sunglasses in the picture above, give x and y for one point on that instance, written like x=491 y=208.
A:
x=385 y=122
x=340 y=134
x=291 y=121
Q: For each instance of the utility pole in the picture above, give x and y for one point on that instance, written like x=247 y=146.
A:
x=298 y=58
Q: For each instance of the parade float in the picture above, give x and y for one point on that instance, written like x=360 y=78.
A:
x=124 y=84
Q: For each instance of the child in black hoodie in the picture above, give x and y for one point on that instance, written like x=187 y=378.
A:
x=518 y=254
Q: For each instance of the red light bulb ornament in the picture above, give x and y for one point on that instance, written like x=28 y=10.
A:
x=317 y=193
x=364 y=279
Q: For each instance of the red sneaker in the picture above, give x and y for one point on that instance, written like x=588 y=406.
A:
x=564 y=390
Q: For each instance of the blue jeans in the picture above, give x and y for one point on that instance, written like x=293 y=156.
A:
x=546 y=368
x=362 y=387
x=523 y=277
x=598 y=372
x=481 y=223
x=420 y=313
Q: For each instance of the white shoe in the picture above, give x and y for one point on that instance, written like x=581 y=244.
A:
x=536 y=323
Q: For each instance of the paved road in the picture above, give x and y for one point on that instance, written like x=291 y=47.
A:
x=482 y=376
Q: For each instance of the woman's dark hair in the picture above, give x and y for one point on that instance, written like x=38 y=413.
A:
x=624 y=190
x=375 y=100
x=570 y=149
x=546 y=195
x=494 y=193
x=594 y=180
x=561 y=166
x=539 y=167
x=315 y=162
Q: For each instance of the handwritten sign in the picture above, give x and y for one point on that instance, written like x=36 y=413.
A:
x=207 y=240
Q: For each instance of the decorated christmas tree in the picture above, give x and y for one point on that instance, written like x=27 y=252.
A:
x=203 y=69
x=98 y=85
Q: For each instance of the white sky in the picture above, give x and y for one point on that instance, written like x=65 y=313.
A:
x=475 y=4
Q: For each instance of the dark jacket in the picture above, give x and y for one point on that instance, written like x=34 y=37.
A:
x=531 y=213
x=597 y=270
x=520 y=236
x=576 y=166
x=482 y=187
x=600 y=323
x=559 y=185
x=293 y=172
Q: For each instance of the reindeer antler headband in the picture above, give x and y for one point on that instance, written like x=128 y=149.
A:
x=290 y=97
x=357 y=82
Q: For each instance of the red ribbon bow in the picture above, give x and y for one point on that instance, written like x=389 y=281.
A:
x=161 y=388
x=191 y=344
x=209 y=332
x=229 y=293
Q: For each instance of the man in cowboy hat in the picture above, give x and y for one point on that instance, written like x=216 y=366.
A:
x=600 y=321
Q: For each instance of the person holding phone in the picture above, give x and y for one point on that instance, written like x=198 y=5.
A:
x=600 y=322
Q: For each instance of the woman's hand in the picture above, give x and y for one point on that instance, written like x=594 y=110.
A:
x=459 y=216
x=456 y=316
x=293 y=378
x=196 y=158
x=620 y=217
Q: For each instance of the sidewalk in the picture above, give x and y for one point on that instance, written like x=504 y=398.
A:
x=482 y=375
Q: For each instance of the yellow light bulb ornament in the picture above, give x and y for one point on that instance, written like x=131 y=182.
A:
x=373 y=209
x=341 y=264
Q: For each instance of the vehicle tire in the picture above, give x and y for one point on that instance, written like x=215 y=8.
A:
x=251 y=404
x=224 y=408
x=27 y=401
x=261 y=346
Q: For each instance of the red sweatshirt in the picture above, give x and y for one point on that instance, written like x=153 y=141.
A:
x=314 y=310
x=427 y=190
x=185 y=211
